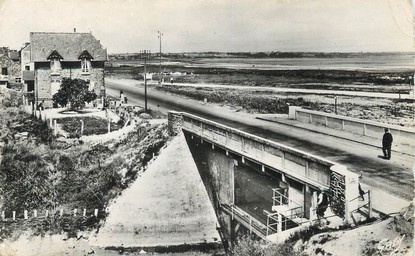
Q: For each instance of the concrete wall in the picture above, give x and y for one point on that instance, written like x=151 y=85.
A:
x=402 y=135
x=311 y=171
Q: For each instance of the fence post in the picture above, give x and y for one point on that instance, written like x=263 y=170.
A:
x=250 y=225
x=14 y=215
x=369 y=198
x=55 y=126
x=84 y=213
x=109 y=125
x=74 y=212
x=35 y=213
x=82 y=127
x=25 y=215
x=96 y=212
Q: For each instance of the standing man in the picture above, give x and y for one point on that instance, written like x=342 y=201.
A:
x=387 y=144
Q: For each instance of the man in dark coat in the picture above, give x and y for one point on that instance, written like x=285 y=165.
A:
x=387 y=144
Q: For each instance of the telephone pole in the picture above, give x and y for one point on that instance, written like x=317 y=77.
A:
x=159 y=36
x=144 y=54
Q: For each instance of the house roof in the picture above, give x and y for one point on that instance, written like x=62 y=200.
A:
x=69 y=45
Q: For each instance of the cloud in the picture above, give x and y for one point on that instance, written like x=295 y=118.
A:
x=213 y=25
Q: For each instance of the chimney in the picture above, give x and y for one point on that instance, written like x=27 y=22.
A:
x=74 y=30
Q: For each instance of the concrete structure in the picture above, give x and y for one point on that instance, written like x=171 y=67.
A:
x=54 y=56
x=401 y=135
x=298 y=176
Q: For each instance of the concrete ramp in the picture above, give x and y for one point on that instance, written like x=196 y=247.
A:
x=167 y=206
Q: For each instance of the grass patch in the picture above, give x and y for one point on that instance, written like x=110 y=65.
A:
x=92 y=126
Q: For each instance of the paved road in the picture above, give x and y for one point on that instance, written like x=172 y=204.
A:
x=394 y=176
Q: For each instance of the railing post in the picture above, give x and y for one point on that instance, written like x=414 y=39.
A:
x=279 y=225
x=369 y=198
x=250 y=225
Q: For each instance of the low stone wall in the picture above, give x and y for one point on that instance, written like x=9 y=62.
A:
x=402 y=135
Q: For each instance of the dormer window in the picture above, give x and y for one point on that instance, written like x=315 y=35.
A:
x=85 y=58
x=55 y=62
x=85 y=65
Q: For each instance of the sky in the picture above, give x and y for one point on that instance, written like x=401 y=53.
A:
x=218 y=25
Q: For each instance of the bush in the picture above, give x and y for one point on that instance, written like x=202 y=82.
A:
x=248 y=246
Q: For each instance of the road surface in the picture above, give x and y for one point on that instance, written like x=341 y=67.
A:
x=394 y=176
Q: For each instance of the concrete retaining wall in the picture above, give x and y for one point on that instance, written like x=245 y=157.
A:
x=401 y=135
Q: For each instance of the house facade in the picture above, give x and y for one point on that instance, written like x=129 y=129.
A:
x=9 y=67
x=50 y=57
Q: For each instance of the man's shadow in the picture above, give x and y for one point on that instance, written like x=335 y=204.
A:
x=380 y=156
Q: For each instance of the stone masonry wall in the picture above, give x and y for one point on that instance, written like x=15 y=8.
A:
x=44 y=78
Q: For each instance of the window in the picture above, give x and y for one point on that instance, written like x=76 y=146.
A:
x=55 y=62
x=85 y=65
x=4 y=71
x=55 y=65
x=18 y=80
x=27 y=68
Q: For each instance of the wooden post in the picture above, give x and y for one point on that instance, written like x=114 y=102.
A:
x=82 y=127
x=369 y=198
x=55 y=126
x=109 y=125
x=25 y=215
x=96 y=212
x=35 y=213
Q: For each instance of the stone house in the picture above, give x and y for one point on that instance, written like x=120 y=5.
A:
x=9 y=67
x=50 y=57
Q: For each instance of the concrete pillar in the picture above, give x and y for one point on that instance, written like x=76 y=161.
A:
x=279 y=226
x=292 y=112
x=175 y=122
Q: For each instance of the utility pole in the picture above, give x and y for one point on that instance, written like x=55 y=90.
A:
x=144 y=54
x=159 y=36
